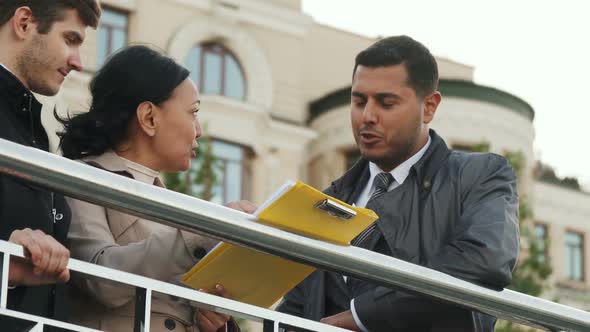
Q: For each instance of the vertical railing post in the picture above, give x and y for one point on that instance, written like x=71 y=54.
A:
x=4 y=265
x=268 y=326
x=40 y=327
x=280 y=327
x=143 y=300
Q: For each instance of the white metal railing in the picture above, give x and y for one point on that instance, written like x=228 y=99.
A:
x=177 y=210
x=144 y=289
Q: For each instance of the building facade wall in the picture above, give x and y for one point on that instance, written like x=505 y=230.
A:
x=563 y=210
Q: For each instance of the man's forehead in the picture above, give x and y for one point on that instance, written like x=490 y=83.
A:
x=378 y=72
x=380 y=77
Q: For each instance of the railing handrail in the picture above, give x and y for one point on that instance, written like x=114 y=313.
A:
x=88 y=183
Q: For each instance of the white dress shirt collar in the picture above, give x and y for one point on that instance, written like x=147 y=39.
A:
x=401 y=172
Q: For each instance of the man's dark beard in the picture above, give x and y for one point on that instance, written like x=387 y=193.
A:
x=30 y=62
x=390 y=162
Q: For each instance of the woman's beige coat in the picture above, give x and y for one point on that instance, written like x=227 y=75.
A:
x=124 y=242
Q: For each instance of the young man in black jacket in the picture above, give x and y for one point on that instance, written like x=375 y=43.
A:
x=39 y=46
x=446 y=210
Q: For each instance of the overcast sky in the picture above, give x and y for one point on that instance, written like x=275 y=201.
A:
x=537 y=50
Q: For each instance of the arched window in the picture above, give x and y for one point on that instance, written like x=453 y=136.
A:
x=216 y=71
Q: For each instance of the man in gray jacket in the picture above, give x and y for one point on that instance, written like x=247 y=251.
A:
x=451 y=211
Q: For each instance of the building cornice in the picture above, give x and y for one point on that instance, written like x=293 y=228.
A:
x=472 y=91
x=256 y=12
x=448 y=88
x=127 y=5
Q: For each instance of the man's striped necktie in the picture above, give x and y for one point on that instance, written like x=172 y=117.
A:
x=382 y=183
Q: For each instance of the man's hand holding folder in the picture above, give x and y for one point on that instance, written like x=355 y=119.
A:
x=262 y=279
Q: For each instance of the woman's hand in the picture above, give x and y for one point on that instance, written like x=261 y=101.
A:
x=211 y=321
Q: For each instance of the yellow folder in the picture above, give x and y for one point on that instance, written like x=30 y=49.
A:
x=296 y=210
x=262 y=279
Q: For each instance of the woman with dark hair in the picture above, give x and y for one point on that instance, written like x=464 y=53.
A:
x=142 y=121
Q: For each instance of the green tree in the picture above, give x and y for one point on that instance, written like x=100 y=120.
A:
x=200 y=180
x=547 y=174
x=207 y=165
x=533 y=268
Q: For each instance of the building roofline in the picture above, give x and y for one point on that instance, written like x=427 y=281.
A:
x=556 y=184
x=448 y=88
x=472 y=91
x=358 y=35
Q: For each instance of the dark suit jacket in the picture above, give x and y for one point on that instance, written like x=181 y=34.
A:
x=456 y=213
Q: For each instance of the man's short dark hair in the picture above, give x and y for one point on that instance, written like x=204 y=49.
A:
x=419 y=62
x=47 y=12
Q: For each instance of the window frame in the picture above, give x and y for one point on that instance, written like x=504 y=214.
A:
x=545 y=239
x=110 y=28
x=224 y=52
x=245 y=165
x=582 y=254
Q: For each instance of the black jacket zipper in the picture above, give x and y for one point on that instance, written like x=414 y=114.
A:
x=54 y=215
x=31 y=119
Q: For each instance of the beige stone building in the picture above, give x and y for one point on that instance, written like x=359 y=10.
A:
x=275 y=98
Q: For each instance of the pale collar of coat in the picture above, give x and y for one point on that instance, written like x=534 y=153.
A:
x=112 y=162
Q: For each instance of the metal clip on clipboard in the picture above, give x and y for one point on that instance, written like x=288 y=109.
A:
x=335 y=209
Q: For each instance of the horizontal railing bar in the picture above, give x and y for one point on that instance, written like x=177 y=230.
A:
x=45 y=321
x=177 y=210
x=205 y=301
